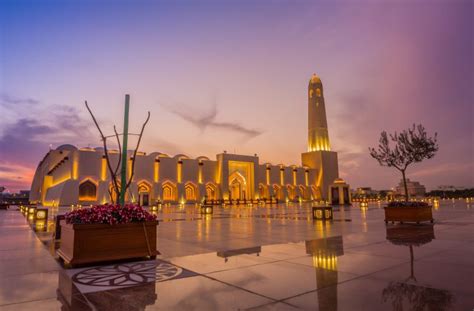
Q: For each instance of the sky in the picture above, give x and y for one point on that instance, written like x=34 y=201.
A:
x=233 y=75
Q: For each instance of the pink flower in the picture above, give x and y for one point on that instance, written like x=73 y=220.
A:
x=109 y=214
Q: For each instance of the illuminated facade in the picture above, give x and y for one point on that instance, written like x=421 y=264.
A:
x=68 y=175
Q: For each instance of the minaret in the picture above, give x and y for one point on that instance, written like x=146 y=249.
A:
x=319 y=155
x=318 y=137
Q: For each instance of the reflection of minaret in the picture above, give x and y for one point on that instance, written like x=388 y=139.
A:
x=318 y=136
x=325 y=253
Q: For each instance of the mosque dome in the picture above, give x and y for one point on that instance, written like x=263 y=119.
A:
x=315 y=79
x=67 y=147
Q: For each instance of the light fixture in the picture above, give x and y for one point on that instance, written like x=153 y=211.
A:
x=207 y=209
x=41 y=214
x=322 y=212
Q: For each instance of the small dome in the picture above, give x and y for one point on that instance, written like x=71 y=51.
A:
x=66 y=147
x=315 y=79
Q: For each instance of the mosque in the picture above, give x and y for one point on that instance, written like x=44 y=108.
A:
x=69 y=175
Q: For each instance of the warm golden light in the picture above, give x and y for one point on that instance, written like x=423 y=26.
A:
x=190 y=191
x=41 y=214
x=200 y=173
x=327 y=262
x=75 y=169
x=103 y=169
x=179 y=169
x=156 y=171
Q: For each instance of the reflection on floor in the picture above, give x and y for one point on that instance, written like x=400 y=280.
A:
x=268 y=258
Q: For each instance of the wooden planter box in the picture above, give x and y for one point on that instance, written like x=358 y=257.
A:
x=408 y=214
x=86 y=244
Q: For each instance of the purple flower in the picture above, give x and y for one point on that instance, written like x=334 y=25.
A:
x=109 y=214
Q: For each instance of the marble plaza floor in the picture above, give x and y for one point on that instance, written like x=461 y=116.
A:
x=258 y=258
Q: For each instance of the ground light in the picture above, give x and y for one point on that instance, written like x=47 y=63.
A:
x=321 y=212
x=207 y=209
x=41 y=214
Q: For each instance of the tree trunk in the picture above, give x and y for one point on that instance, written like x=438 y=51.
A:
x=405 y=186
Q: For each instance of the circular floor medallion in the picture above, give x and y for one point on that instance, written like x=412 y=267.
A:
x=127 y=274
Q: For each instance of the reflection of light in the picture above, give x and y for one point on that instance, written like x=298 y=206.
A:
x=328 y=262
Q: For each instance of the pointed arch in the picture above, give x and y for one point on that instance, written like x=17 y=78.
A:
x=190 y=192
x=112 y=192
x=291 y=192
x=263 y=191
x=169 y=192
x=303 y=192
x=237 y=186
x=143 y=186
x=277 y=192
x=144 y=189
x=315 y=192
x=88 y=190
x=211 y=191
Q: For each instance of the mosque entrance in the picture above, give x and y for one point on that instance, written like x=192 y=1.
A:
x=144 y=194
x=144 y=199
x=237 y=186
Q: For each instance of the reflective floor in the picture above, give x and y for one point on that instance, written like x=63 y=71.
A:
x=262 y=258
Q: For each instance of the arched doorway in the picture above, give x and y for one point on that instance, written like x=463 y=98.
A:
x=315 y=192
x=277 y=193
x=211 y=191
x=144 y=193
x=237 y=186
x=169 y=192
x=263 y=191
x=190 y=192
x=291 y=192
x=87 y=191
x=303 y=192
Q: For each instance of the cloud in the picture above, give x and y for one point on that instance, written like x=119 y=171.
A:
x=208 y=119
x=15 y=177
x=24 y=142
x=8 y=100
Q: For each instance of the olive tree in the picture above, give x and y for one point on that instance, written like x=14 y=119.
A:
x=409 y=146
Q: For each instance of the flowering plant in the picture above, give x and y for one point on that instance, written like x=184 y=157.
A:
x=109 y=214
x=407 y=204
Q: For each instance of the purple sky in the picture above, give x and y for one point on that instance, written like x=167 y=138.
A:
x=234 y=77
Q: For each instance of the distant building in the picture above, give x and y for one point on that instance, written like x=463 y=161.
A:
x=366 y=191
x=415 y=189
x=19 y=198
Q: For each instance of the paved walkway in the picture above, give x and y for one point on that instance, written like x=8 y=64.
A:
x=256 y=258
